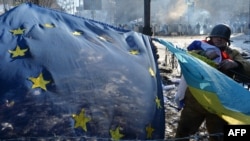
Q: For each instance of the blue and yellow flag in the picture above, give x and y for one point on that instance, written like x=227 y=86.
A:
x=63 y=76
x=214 y=90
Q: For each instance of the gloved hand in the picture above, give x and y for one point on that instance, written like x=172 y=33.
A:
x=228 y=64
x=211 y=54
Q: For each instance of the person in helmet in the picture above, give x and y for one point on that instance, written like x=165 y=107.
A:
x=193 y=114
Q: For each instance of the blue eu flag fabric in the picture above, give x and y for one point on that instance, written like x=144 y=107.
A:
x=63 y=76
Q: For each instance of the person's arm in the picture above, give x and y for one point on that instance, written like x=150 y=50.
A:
x=243 y=63
x=237 y=62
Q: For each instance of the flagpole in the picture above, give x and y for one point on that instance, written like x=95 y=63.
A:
x=147 y=29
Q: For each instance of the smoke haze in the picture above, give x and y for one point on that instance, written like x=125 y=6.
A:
x=184 y=12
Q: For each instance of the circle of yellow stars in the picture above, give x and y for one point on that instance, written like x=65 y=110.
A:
x=80 y=120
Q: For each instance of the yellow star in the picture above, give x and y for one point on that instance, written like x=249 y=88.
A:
x=77 y=33
x=151 y=72
x=48 y=25
x=81 y=120
x=158 y=102
x=134 y=52
x=39 y=82
x=18 y=52
x=115 y=134
x=149 y=130
x=17 y=31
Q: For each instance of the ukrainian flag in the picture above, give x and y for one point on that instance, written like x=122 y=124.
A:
x=214 y=90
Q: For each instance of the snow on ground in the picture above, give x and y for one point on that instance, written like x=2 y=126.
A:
x=241 y=42
x=171 y=74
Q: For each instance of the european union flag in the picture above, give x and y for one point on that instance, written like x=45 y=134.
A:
x=63 y=76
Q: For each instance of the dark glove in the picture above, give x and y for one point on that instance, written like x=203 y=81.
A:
x=228 y=64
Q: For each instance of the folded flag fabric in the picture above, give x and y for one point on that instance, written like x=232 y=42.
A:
x=215 y=91
x=196 y=45
x=62 y=76
x=201 y=45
